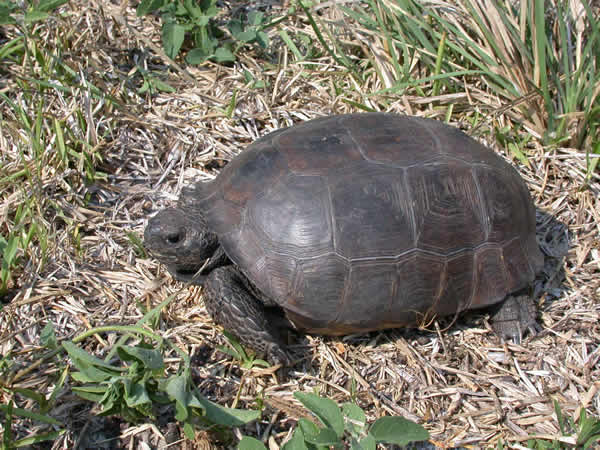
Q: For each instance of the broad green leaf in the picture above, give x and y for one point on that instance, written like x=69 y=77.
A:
x=245 y=36
x=148 y=6
x=296 y=442
x=263 y=39
x=249 y=443
x=92 y=389
x=192 y=9
x=188 y=430
x=151 y=358
x=229 y=417
x=135 y=394
x=224 y=55
x=356 y=418
x=79 y=355
x=196 y=56
x=397 y=430
x=91 y=374
x=91 y=396
x=177 y=388
x=325 y=409
x=235 y=26
x=172 y=38
x=307 y=427
x=367 y=443
x=255 y=18
x=354 y=412
x=325 y=436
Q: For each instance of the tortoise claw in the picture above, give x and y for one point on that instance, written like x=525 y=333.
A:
x=277 y=356
x=514 y=317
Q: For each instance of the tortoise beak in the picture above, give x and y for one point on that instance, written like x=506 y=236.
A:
x=187 y=274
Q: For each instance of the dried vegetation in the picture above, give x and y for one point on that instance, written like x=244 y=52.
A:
x=461 y=383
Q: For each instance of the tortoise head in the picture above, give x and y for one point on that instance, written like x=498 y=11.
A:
x=180 y=239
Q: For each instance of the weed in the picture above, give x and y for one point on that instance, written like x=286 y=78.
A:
x=196 y=21
x=238 y=353
x=132 y=380
x=544 y=66
x=344 y=427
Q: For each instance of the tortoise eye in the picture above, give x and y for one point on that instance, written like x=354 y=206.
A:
x=174 y=238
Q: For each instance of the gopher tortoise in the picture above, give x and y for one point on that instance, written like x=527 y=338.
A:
x=354 y=223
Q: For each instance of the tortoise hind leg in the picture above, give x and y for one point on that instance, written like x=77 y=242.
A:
x=514 y=316
x=231 y=304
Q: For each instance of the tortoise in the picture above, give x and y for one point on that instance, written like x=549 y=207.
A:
x=354 y=223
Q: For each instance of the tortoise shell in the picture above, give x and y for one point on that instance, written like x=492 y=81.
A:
x=369 y=221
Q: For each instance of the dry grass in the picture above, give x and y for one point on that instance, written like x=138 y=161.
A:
x=462 y=384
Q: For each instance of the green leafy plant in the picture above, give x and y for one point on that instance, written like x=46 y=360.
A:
x=195 y=20
x=344 y=427
x=544 y=68
x=252 y=82
x=237 y=351
x=131 y=382
x=251 y=30
x=151 y=84
x=135 y=381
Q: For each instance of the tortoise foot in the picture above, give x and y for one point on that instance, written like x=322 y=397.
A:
x=231 y=304
x=514 y=317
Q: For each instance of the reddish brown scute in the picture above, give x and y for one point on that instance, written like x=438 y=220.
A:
x=368 y=221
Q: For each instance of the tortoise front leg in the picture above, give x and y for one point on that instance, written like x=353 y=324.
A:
x=230 y=304
x=514 y=316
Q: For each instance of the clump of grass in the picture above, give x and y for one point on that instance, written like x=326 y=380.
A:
x=581 y=432
x=540 y=59
x=47 y=154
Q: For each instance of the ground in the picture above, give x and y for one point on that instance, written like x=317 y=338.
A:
x=455 y=378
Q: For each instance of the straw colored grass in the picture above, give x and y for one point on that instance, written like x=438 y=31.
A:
x=464 y=385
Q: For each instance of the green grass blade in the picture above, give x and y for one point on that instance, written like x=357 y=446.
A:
x=539 y=26
x=29 y=415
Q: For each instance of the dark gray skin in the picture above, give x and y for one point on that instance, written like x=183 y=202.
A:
x=355 y=223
